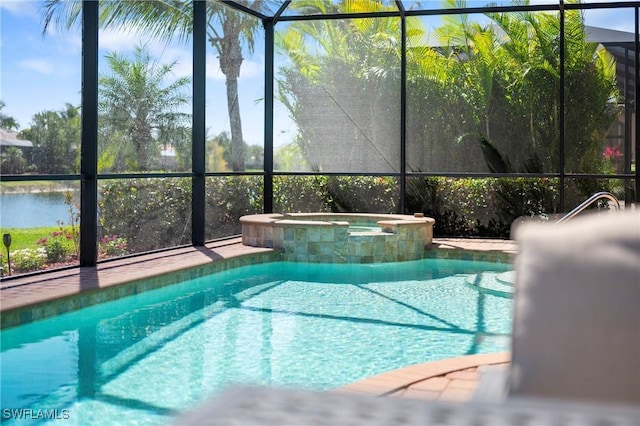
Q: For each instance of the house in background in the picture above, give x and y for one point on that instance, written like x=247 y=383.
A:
x=621 y=45
x=13 y=152
x=9 y=138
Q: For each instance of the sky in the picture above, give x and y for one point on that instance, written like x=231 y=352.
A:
x=40 y=73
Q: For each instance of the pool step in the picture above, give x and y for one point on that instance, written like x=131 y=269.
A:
x=495 y=283
x=507 y=278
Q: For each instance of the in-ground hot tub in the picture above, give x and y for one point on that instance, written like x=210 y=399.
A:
x=340 y=237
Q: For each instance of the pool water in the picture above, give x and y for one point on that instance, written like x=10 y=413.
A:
x=363 y=227
x=141 y=359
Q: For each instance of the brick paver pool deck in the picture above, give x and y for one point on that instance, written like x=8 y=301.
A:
x=28 y=298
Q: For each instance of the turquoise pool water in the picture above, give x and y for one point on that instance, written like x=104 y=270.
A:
x=141 y=359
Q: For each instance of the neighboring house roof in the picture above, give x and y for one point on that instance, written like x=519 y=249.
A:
x=607 y=36
x=621 y=45
x=9 y=138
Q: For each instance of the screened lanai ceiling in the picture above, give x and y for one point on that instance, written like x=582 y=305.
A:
x=306 y=8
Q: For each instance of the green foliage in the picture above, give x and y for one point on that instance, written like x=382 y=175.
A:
x=13 y=161
x=57 y=244
x=528 y=197
x=71 y=230
x=227 y=199
x=363 y=194
x=230 y=33
x=336 y=194
x=289 y=158
x=497 y=82
x=140 y=112
x=112 y=246
x=480 y=207
x=293 y=194
x=29 y=242
x=6 y=121
x=55 y=247
x=27 y=237
x=347 y=72
x=56 y=140
x=149 y=213
x=220 y=154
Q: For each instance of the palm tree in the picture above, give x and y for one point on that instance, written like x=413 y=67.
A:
x=133 y=99
x=347 y=70
x=228 y=31
x=6 y=121
x=508 y=71
x=13 y=161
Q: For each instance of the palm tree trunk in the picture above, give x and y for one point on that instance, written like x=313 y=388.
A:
x=235 y=120
x=230 y=50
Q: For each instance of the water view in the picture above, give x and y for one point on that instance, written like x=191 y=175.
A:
x=31 y=210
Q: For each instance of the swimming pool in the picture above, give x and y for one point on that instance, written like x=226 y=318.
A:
x=141 y=359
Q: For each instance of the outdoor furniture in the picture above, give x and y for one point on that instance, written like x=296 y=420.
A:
x=244 y=406
x=576 y=332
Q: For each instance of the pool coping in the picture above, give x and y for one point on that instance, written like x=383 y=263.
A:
x=30 y=298
x=451 y=379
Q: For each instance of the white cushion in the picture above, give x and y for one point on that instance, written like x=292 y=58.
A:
x=577 y=310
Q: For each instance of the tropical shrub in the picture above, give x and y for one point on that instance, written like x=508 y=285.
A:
x=363 y=194
x=148 y=213
x=71 y=231
x=484 y=207
x=227 y=199
x=55 y=247
x=13 y=161
x=293 y=194
x=112 y=246
x=66 y=240
x=493 y=78
x=338 y=194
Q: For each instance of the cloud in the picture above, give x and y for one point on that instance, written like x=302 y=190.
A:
x=250 y=69
x=69 y=44
x=20 y=8
x=213 y=67
x=183 y=61
x=118 y=40
x=50 y=67
x=38 y=65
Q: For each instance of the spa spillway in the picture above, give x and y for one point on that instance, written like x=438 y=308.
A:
x=340 y=237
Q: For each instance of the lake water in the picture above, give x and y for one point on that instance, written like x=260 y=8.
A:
x=32 y=210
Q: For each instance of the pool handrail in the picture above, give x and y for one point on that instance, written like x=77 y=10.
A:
x=595 y=197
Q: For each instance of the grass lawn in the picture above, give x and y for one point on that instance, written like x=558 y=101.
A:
x=22 y=238
x=27 y=238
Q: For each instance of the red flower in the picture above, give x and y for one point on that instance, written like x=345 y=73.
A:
x=611 y=153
